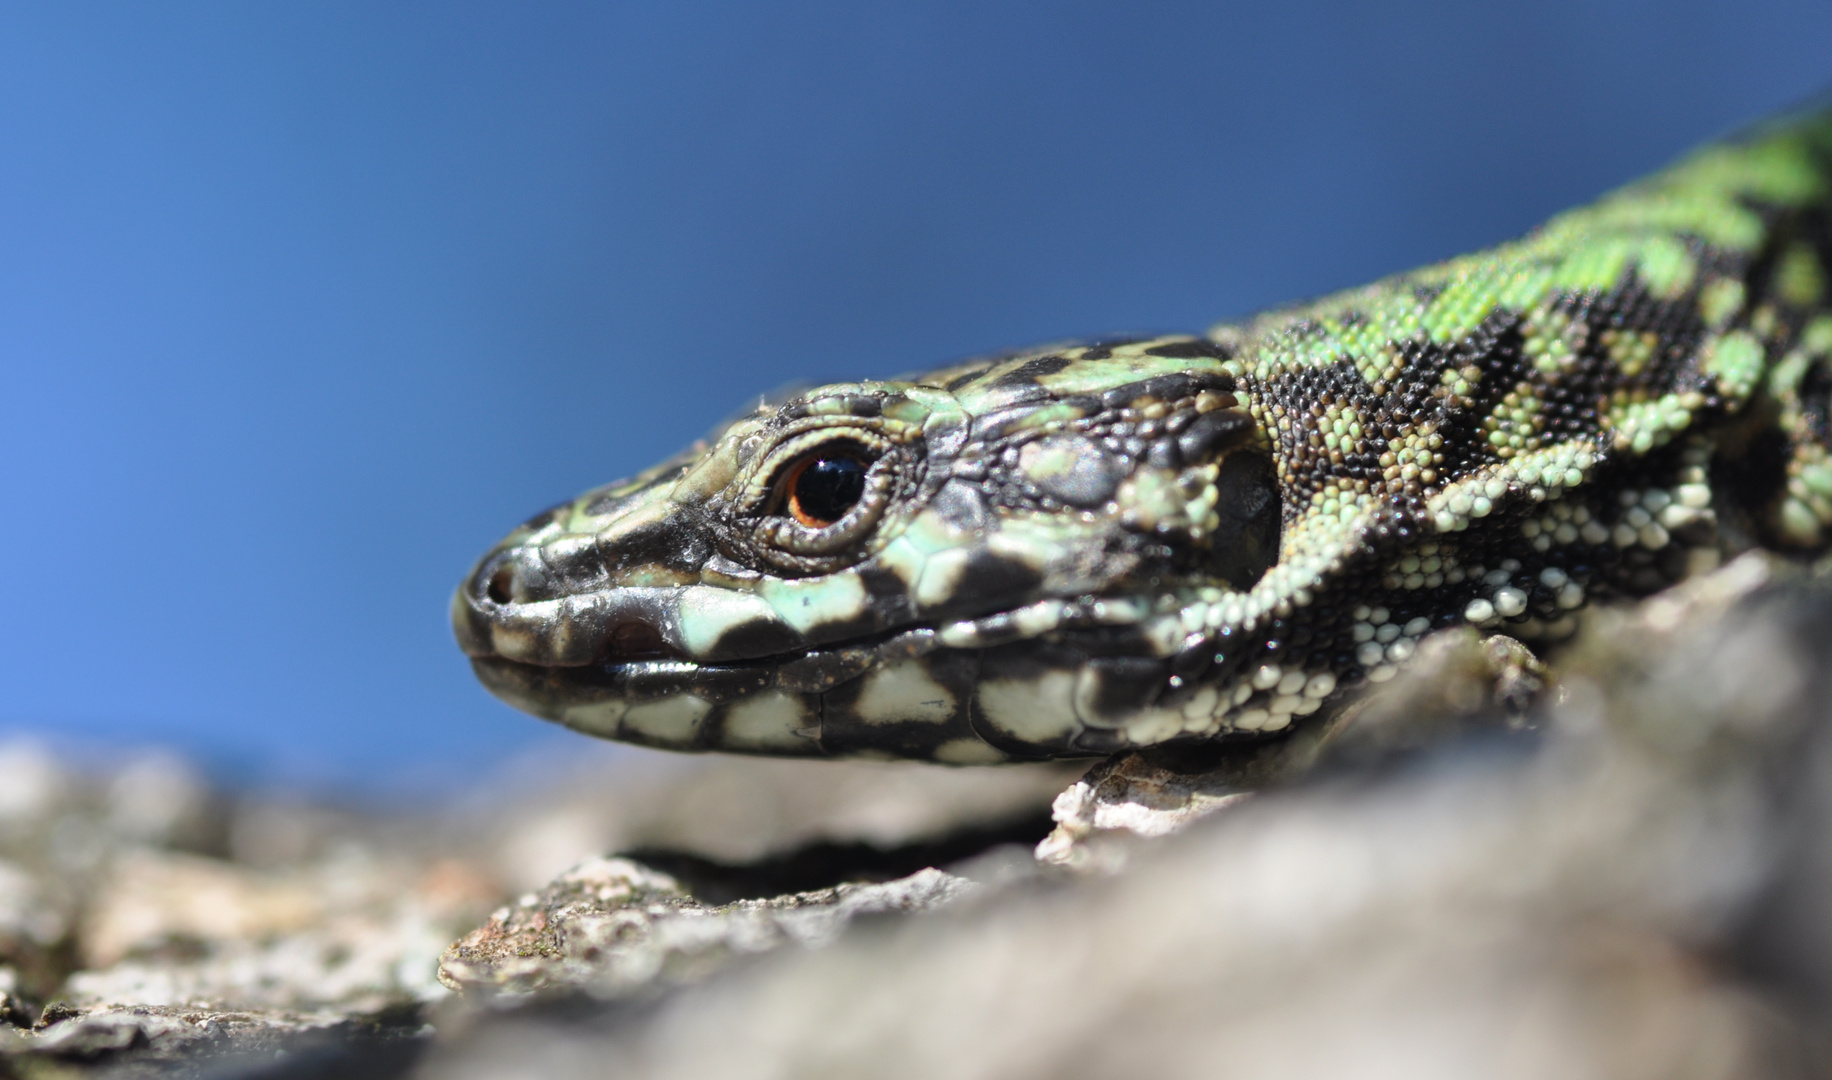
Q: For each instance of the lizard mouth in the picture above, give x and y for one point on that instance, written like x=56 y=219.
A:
x=824 y=701
x=1010 y=690
x=640 y=664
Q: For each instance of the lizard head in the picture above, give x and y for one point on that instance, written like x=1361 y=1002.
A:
x=983 y=563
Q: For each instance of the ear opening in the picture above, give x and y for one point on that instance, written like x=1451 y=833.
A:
x=1246 y=543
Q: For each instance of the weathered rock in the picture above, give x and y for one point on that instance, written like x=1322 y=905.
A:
x=1631 y=878
x=176 y=1041
x=609 y=926
x=150 y=925
x=1636 y=888
x=1130 y=797
x=738 y=810
x=355 y=935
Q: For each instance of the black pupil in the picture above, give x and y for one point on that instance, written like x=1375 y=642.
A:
x=828 y=488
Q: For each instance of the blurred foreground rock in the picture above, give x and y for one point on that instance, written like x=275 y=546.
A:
x=153 y=926
x=1632 y=878
x=1632 y=881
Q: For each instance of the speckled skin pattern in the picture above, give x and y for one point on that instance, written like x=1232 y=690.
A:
x=1082 y=550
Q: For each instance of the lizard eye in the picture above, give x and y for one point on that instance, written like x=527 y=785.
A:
x=828 y=491
x=823 y=486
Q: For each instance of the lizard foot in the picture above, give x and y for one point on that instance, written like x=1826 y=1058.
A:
x=1459 y=682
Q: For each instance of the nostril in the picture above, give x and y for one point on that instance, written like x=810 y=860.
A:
x=501 y=588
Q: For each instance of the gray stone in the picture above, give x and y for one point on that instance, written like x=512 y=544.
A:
x=610 y=926
x=1633 y=883
x=1619 y=867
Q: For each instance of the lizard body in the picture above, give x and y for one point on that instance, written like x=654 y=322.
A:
x=1081 y=550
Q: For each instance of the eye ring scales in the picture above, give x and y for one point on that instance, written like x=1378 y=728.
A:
x=821 y=492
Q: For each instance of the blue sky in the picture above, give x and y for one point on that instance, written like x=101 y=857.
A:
x=302 y=305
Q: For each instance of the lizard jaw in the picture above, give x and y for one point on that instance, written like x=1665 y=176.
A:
x=820 y=702
x=989 y=691
x=693 y=666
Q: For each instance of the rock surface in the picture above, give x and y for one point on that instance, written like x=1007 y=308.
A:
x=1634 y=884
x=612 y=925
x=150 y=925
x=1622 y=867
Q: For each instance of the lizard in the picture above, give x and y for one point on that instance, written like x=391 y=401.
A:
x=1193 y=539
